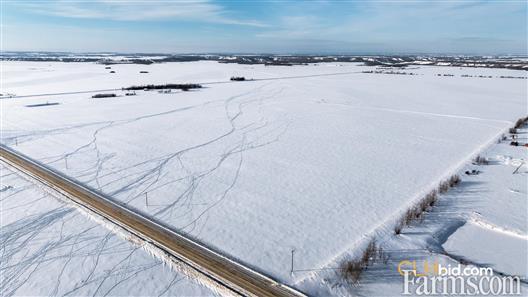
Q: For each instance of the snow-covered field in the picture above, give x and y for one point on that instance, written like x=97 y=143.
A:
x=313 y=158
x=482 y=222
x=51 y=249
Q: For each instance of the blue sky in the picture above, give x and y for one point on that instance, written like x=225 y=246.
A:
x=479 y=27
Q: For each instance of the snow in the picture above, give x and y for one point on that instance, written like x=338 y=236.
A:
x=51 y=249
x=503 y=252
x=314 y=158
x=499 y=220
x=482 y=222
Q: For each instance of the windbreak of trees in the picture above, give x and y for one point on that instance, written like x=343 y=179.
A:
x=184 y=87
x=104 y=95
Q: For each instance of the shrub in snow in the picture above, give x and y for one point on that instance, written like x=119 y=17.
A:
x=351 y=270
x=398 y=227
x=429 y=200
x=479 y=160
x=520 y=122
x=454 y=180
x=443 y=187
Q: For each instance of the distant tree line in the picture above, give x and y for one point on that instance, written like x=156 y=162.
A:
x=104 y=95
x=184 y=87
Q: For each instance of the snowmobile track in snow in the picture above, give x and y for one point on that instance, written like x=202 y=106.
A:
x=221 y=269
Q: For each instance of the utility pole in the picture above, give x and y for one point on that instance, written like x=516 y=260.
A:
x=292 y=251
x=146 y=199
x=16 y=141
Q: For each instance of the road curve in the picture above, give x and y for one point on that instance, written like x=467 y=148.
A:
x=219 y=268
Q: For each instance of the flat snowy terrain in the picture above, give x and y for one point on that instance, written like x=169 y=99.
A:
x=51 y=249
x=311 y=158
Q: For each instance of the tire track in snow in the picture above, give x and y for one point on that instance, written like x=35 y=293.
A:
x=217 y=267
x=424 y=113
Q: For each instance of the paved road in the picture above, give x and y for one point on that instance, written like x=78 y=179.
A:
x=219 y=268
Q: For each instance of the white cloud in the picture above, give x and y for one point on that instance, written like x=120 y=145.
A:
x=392 y=21
x=132 y=10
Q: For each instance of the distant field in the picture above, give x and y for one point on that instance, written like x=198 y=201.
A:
x=313 y=158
